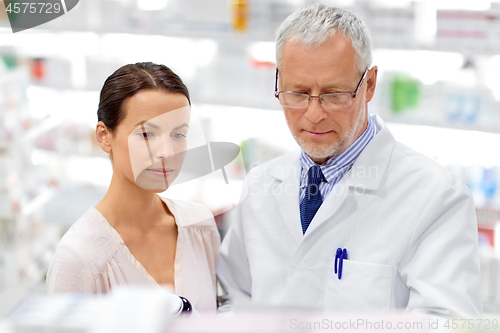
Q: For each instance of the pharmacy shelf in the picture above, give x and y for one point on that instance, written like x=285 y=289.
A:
x=32 y=133
x=33 y=205
x=399 y=27
x=38 y=202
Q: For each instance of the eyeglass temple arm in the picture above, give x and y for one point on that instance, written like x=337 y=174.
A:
x=360 y=83
x=276 y=93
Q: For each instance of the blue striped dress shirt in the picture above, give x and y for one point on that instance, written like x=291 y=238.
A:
x=334 y=168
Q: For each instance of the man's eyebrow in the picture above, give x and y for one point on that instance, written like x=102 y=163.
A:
x=181 y=126
x=332 y=86
x=337 y=87
x=147 y=123
x=294 y=84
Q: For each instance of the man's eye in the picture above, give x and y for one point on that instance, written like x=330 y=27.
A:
x=333 y=95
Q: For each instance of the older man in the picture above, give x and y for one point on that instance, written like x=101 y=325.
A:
x=353 y=221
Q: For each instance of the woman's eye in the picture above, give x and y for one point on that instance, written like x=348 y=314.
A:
x=179 y=135
x=146 y=134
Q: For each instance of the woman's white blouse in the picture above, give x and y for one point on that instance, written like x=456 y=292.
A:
x=93 y=258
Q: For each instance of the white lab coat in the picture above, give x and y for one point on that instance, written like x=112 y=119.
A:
x=408 y=224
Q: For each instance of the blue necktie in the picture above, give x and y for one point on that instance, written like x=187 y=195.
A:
x=312 y=200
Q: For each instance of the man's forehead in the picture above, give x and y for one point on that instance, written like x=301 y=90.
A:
x=335 y=77
x=330 y=65
x=324 y=81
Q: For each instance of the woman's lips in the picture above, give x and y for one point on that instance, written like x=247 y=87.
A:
x=160 y=172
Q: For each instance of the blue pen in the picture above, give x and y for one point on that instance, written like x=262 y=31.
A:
x=337 y=256
x=343 y=257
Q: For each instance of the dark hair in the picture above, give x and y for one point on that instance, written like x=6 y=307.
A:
x=127 y=81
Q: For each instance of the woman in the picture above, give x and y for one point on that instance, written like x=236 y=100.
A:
x=133 y=236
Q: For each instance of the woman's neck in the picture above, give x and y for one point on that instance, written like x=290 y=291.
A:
x=126 y=205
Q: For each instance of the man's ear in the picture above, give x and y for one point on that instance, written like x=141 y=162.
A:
x=103 y=136
x=371 y=82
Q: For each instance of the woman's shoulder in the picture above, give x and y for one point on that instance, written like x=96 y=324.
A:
x=191 y=214
x=89 y=239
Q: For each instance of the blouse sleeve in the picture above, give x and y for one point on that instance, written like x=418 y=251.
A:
x=216 y=245
x=69 y=272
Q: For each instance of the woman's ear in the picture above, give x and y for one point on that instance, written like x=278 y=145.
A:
x=103 y=136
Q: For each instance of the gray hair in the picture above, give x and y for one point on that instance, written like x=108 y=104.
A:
x=316 y=24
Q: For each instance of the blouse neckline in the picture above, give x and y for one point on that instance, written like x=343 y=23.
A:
x=123 y=247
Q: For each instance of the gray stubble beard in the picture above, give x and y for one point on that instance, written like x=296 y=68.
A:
x=335 y=148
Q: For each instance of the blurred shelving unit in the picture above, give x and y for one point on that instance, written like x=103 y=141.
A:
x=197 y=39
x=26 y=241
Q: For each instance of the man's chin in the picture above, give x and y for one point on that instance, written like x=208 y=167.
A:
x=318 y=151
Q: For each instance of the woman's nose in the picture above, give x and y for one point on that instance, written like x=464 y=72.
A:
x=164 y=149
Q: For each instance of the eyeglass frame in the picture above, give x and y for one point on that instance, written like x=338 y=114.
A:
x=353 y=95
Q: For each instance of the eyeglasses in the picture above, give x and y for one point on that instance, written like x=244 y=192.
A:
x=336 y=100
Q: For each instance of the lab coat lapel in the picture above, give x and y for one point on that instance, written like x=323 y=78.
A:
x=370 y=166
x=364 y=176
x=286 y=193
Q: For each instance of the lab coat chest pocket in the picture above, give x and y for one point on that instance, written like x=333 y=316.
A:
x=363 y=287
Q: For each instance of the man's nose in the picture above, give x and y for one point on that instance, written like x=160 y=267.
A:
x=315 y=111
